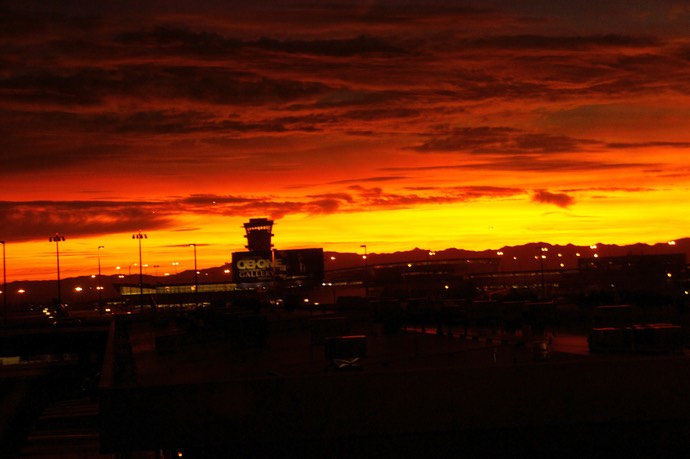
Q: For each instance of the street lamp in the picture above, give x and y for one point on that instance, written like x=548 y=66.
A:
x=196 y=278
x=366 y=271
x=99 y=287
x=139 y=236
x=542 y=257
x=4 y=283
x=57 y=239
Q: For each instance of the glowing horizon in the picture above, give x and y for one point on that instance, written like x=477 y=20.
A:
x=431 y=125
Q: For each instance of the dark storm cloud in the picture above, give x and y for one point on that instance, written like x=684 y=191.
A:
x=374 y=114
x=557 y=199
x=475 y=192
x=565 y=164
x=205 y=200
x=567 y=43
x=382 y=178
x=357 y=199
x=528 y=163
x=609 y=189
x=33 y=220
x=165 y=39
x=150 y=83
x=632 y=145
x=344 y=197
x=212 y=52
x=488 y=139
x=44 y=152
x=377 y=197
x=23 y=221
x=358 y=46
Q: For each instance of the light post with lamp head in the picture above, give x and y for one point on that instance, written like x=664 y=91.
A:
x=57 y=239
x=366 y=271
x=542 y=257
x=139 y=236
x=4 y=283
x=99 y=285
x=196 y=279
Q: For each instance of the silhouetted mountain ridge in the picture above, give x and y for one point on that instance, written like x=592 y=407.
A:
x=520 y=257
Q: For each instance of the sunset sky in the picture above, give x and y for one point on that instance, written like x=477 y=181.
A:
x=396 y=124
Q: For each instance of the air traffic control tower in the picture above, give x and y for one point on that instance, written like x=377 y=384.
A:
x=259 y=233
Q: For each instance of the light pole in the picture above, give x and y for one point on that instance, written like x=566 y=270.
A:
x=139 y=236
x=99 y=286
x=196 y=279
x=4 y=283
x=542 y=257
x=57 y=239
x=366 y=271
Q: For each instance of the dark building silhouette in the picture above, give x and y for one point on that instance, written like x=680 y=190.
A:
x=644 y=280
x=263 y=264
x=259 y=233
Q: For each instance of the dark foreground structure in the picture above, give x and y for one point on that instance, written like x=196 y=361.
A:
x=342 y=382
x=303 y=384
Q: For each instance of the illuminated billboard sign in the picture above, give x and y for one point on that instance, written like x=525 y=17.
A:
x=280 y=265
